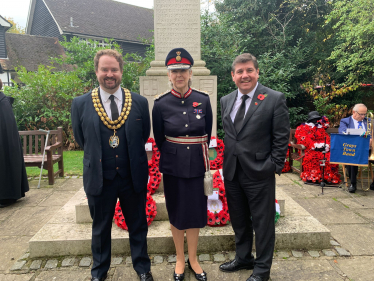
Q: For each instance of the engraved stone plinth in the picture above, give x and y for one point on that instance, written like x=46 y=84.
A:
x=176 y=24
x=151 y=86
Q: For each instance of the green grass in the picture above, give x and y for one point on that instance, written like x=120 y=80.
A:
x=73 y=165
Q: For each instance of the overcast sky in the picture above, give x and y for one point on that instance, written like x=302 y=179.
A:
x=19 y=9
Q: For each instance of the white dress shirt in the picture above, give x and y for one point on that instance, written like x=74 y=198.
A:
x=106 y=101
x=356 y=123
x=238 y=102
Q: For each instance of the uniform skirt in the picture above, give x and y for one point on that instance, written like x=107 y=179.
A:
x=185 y=201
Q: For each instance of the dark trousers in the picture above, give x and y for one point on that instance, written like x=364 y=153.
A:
x=252 y=208
x=352 y=173
x=102 y=209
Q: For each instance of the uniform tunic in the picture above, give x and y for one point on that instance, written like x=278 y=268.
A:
x=182 y=165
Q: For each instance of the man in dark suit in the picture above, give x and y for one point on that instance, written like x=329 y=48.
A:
x=356 y=121
x=256 y=124
x=112 y=126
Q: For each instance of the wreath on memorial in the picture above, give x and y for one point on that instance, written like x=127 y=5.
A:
x=216 y=163
x=218 y=215
x=316 y=141
x=150 y=210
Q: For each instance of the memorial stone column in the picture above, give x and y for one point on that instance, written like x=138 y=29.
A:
x=177 y=25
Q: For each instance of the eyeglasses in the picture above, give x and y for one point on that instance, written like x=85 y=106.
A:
x=361 y=114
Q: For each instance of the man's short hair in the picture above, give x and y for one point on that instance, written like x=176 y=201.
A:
x=243 y=58
x=108 y=52
x=357 y=106
x=1 y=84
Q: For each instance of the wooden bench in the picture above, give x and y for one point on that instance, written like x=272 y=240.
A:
x=33 y=146
x=296 y=151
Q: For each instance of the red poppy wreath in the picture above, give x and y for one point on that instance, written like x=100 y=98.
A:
x=150 y=210
x=217 y=162
x=217 y=209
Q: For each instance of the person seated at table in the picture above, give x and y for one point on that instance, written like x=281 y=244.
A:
x=357 y=120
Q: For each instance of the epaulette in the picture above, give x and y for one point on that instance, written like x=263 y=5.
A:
x=161 y=95
x=200 y=91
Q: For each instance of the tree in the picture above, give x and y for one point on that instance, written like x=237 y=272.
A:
x=80 y=53
x=353 y=21
x=16 y=28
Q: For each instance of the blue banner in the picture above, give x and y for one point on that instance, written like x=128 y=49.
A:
x=349 y=149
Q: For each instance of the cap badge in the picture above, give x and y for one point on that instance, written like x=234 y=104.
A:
x=178 y=57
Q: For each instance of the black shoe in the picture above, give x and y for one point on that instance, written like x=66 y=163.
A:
x=146 y=276
x=352 y=188
x=178 y=277
x=99 y=279
x=372 y=186
x=234 y=265
x=257 y=278
x=201 y=276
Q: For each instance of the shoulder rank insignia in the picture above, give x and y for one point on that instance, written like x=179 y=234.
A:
x=200 y=91
x=161 y=95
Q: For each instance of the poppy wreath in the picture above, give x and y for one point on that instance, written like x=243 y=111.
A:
x=222 y=217
x=150 y=210
x=155 y=152
x=217 y=162
x=315 y=139
x=287 y=166
x=154 y=177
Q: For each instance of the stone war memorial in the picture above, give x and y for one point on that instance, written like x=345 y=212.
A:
x=177 y=24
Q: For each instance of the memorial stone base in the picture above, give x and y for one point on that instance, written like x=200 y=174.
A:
x=69 y=231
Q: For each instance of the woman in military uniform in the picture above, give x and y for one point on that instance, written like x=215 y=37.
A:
x=182 y=125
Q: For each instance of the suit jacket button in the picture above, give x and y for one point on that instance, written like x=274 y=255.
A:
x=116 y=156
x=186 y=125
x=184 y=112
x=100 y=160
x=188 y=147
x=117 y=168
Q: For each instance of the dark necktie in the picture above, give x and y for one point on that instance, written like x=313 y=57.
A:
x=239 y=117
x=113 y=108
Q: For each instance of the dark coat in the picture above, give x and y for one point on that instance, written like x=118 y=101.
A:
x=85 y=122
x=174 y=116
x=261 y=144
x=13 y=178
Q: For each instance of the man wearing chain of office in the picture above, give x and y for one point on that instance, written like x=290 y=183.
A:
x=112 y=125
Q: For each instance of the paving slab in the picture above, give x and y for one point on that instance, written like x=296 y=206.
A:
x=68 y=262
x=57 y=198
x=328 y=211
x=36 y=264
x=367 y=214
x=71 y=184
x=64 y=275
x=357 y=268
x=358 y=239
x=12 y=247
x=303 y=270
x=314 y=254
x=360 y=203
x=16 y=277
x=296 y=191
x=18 y=265
x=27 y=220
x=51 y=264
x=342 y=252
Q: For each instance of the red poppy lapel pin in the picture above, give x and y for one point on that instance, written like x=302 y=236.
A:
x=256 y=103
x=261 y=96
x=196 y=104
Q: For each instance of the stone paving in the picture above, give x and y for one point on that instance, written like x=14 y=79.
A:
x=350 y=217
